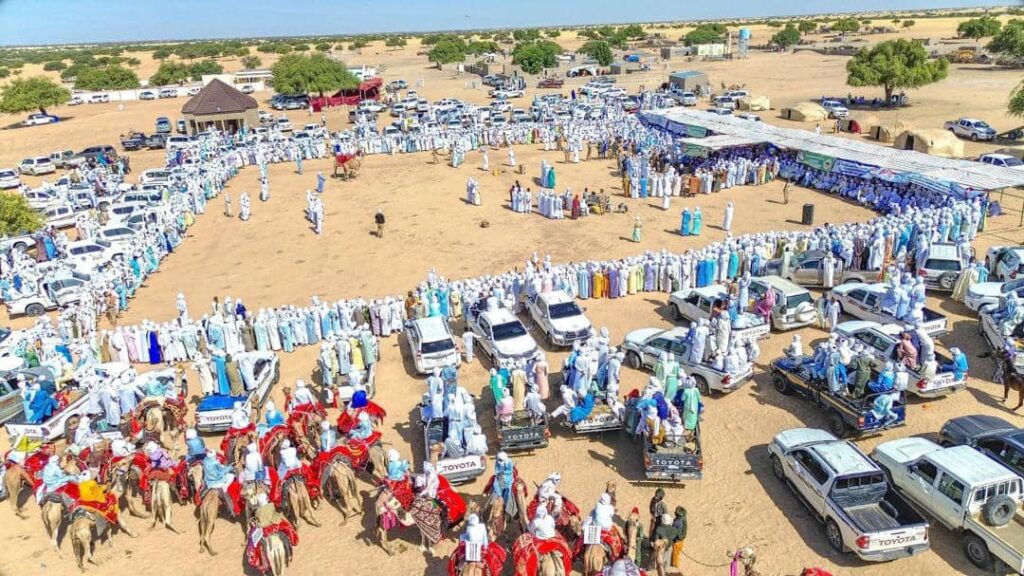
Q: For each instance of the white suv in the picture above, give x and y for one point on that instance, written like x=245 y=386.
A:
x=9 y=179
x=559 y=318
x=432 y=344
x=37 y=166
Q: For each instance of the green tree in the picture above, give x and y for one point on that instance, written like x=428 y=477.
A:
x=36 y=93
x=788 y=36
x=482 y=47
x=526 y=35
x=598 y=50
x=846 y=25
x=170 y=73
x=17 y=216
x=358 y=44
x=395 y=42
x=4 y=72
x=197 y=70
x=54 y=66
x=296 y=74
x=133 y=62
x=633 y=32
x=806 y=26
x=106 y=78
x=283 y=49
x=251 y=62
x=161 y=53
x=895 y=64
x=704 y=34
x=908 y=23
x=553 y=33
x=1016 y=105
x=866 y=21
x=533 y=57
x=446 y=52
x=1009 y=40
x=979 y=27
x=323 y=47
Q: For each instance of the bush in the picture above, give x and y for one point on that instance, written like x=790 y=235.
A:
x=54 y=66
x=199 y=69
x=106 y=78
x=598 y=50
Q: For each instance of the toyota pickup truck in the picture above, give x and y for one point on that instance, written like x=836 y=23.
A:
x=456 y=468
x=864 y=301
x=502 y=338
x=259 y=372
x=972 y=495
x=849 y=494
x=880 y=340
x=993 y=334
x=644 y=347
x=807 y=270
x=674 y=460
x=846 y=415
x=971 y=128
x=523 y=432
x=559 y=319
x=696 y=304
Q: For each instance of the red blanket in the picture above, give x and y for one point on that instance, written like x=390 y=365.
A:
x=453 y=502
x=323 y=459
x=254 y=552
x=349 y=418
x=527 y=552
x=359 y=450
x=34 y=464
x=611 y=540
x=493 y=559
x=233 y=433
x=402 y=491
x=107 y=508
x=176 y=476
x=273 y=437
x=305 y=474
x=569 y=510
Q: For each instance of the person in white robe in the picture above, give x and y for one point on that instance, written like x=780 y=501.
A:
x=727 y=220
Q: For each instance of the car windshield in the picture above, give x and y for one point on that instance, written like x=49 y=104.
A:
x=1012 y=161
x=981 y=124
x=508 y=331
x=564 y=310
x=935 y=264
x=1012 y=285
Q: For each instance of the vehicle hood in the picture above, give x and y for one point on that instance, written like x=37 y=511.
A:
x=986 y=290
x=906 y=450
x=965 y=428
x=516 y=346
x=637 y=337
x=570 y=324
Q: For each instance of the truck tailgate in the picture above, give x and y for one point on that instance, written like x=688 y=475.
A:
x=934 y=323
x=1005 y=542
x=753 y=333
x=672 y=466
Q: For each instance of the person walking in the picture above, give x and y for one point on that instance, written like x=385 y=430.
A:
x=378 y=218
x=785 y=192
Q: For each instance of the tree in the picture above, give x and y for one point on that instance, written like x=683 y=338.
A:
x=170 y=73
x=533 y=57
x=553 y=33
x=633 y=32
x=54 y=66
x=251 y=62
x=36 y=93
x=979 y=27
x=482 y=47
x=1009 y=40
x=908 y=23
x=1016 y=105
x=526 y=35
x=199 y=69
x=446 y=52
x=806 y=26
x=106 y=78
x=395 y=42
x=895 y=64
x=846 y=25
x=788 y=36
x=161 y=53
x=704 y=34
x=4 y=72
x=773 y=24
x=322 y=47
x=17 y=216
x=296 y=74
x=598 y=50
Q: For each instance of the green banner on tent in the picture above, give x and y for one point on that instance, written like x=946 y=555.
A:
x=695 y=150
x=696 y=131
x=815 y=160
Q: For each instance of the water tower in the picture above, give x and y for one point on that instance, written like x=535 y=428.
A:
x=744 y=43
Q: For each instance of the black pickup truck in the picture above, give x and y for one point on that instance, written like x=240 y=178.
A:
x=995 y=437
x=133 y=141
x=673 y=460
x=523 y=432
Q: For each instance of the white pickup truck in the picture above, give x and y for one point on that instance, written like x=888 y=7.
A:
x=696 y=304
x=864 y=301
x=881 y=341
x=259 y=372
x=993 y=334
x=559 y=318
x=645 y=346
x=966 y=491
x=849 y=494
x=971 y=128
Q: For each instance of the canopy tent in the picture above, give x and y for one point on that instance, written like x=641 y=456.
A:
x=933 y=141
x=967 y=175
x=754 y=103
x=858 y=123
x=805 y=112
x=886 y=133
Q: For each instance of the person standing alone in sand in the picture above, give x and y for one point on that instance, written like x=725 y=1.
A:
x=378 y=218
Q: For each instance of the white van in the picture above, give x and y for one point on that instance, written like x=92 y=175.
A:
x=432 y=344
x=794 y=305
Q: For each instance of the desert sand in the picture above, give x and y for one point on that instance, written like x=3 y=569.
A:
x=276 y=259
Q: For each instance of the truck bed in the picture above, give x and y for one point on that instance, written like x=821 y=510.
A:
x=1012 y=534
x=872 y=518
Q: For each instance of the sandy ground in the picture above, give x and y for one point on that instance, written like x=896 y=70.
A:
x=275 y=258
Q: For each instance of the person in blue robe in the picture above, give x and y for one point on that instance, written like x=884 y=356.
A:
x=220 y=367
x=582 y=410
x=734 y=263
x=697 y=218
x=685 y=227
x=958 y=366
x=42 y=406
x=287 y=339
x=155 y=353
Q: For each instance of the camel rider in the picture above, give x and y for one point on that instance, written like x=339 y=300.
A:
x=397 y=468
x=303 y=395
x=265 y=514
x=475 y=533
x=363 y=428
x=195 y=450
x=239 y=416
x=273 y=416
x=548 y=492
x=504 y=476
x=958 y=365
x=54 y=477
x=158 y=457
x=328 y=436
x=603 y=514
x=253 y=469
x=120 y=448
x=543 y=525
x=289 y=459
x=431 y=482
x=215 y=474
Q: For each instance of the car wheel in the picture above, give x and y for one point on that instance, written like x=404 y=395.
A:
x=977 y=551
x=836 y=425
x=679 y=312
x=834 y=535
x=702 y=385
x=633 y=361
x=781 y=384
x=34 y=310
x=946 y=281
x=21 y=245
x=777 y=470
x=974 y=137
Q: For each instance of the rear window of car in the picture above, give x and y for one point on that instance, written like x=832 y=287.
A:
x=945 y=265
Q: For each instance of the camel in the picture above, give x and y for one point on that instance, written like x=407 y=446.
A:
x=209 y=510
x=551 y=564
x=53 y=514
x=15 y=478
x=473 y=569
x=745 y=558
x=121 y=485
x=276 y=553
x=660 y=547
x=162 y=498
x=1007 y=375
x=387 y=505
x=595 y=556
x=237 y=445
x=81 y=532
x=342 y=484
x=632 y=533
x=379 y=461
x=497 y=521
x=297 y=502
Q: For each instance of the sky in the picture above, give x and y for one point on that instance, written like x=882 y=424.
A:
x=80 y=21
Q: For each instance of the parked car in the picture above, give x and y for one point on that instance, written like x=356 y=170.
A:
x=1005 y=262
x=117 y=235
x=849 y=494
x=192 y=91
x=64 y=159
x=156 y=141
x=992 y=436
x=432 y=344
x=93 y=252
x=835 y=109
x=396 y=85
x=93 y=152
x=133 y=141
x=720 y=111
x=284 y=125
x=9 y=179
x=643 y=349
x=99 y=99
x=993 y=333
x=147 y=95
x=864 y=301
x=37 y=166
x=163 y=125
x=457 y=469
x=500 y=335
x=506 y=94
x=39 y=119
x=11 y=405
x=168 y=93
x=559 y=318
x=177 y=141
x=1003 y=160
x=675 y=459
x=52 y=294
x=693 y=304
x=725 y=102
x=247 y=89
x=971 y=128
x=971 y=494
x=880 y=340
x=155 y=176
x=985 y=296
x=684 y=97
x=941 y=267
x=808 y=269
x=179 y=126
x=76 y=101
x=794 y=305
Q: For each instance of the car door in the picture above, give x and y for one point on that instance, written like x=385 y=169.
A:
x=653 y=348
x=919 y=481
x=948 y=500
x=680 y=350
x=808 y=272
x=809 y=478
